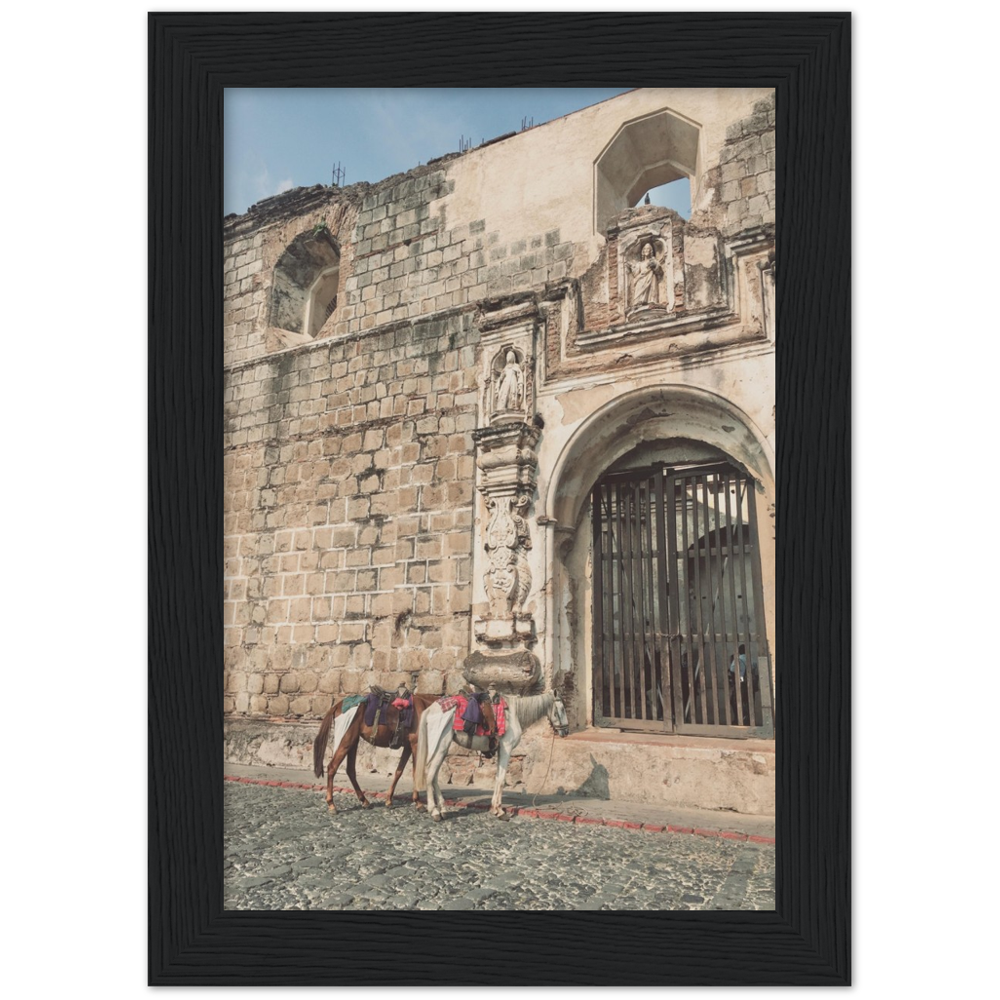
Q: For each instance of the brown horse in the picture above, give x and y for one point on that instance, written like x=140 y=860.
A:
x=357 y=730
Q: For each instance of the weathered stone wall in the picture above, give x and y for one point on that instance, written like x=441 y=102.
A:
x=409 y=262
x=348 y=517
x=745 y=175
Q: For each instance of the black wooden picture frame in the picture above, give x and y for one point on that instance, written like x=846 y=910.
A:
x=192 y=58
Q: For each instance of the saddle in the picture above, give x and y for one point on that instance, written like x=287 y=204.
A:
x=391 y=710
x=475 y=725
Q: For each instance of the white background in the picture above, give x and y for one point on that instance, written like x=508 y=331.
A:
x=68 y=496
x=926 y=355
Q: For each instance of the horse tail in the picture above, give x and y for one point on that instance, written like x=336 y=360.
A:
x=420 y=768
x=319 y=746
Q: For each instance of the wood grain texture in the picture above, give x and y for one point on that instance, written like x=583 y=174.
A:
x=191 y=59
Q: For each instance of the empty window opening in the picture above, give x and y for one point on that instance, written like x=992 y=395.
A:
x=644 y=154
x=304 y=288
x=675 y=195
x=322 y=300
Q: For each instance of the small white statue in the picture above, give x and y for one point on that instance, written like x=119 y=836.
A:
x=510 y=387
x=646 y=274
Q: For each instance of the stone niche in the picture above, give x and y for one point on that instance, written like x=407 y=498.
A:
x=506 y=437
x=645 y=264
x=304 y=288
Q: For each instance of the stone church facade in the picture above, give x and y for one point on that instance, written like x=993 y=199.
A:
x=493 y=421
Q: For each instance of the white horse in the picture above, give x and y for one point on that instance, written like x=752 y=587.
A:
x=436 y=733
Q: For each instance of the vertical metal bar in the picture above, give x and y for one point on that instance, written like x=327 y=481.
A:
x=624 y=604
x=672 y=590
x=663 y=622
x=635 y=683
x=617 y=642
x=740 y=493
x=639 y=577
x=600 y=638
x=614 y=604
x=699 y=487
x=650 y=587
x=635 y=585
x=721 y=597
x=766 y=701
x=736 y=617
x=628 y=638
x=713 y=647
x=683 y=592
x=607 y=607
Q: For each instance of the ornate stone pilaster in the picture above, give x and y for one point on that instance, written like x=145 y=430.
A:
x=506 y=466
x=506 y=459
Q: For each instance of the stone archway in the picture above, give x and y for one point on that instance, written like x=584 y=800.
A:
x=661 y=417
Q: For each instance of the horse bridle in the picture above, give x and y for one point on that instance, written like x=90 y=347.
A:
x=558 y=730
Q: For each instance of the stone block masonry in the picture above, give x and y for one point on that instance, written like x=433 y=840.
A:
x=348 y=518
x=246 y=297
x=745 y=176
x=409 y=262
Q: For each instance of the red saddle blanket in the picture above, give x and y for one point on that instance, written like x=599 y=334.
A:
x=459 y=701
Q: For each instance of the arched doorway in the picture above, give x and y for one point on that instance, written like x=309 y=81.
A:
x=662 y=544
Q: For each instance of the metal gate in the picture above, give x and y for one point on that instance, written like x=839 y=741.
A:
x=679 y=638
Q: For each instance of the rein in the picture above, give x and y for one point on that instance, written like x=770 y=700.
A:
x=552 y=748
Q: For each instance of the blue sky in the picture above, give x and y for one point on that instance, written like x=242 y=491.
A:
x=279 y=139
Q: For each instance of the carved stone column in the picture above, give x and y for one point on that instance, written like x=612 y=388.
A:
x=504 y=628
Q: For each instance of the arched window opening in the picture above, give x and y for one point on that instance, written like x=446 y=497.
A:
x=305 y=285
x=643 y=155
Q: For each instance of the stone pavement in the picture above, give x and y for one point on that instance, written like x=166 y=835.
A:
x=283 y=850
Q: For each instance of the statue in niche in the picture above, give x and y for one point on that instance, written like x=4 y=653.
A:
x=510 y=385
x=646 y=275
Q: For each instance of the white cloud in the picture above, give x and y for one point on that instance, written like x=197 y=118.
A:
x=285 y=186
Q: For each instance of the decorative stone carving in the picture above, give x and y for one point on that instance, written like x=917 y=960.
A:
x=516 y=670
x=506 y=459
x=650 y=272
x=508 y=578
x=645 y=277
x=507 y=466
x=508 y=386
x=647 y=274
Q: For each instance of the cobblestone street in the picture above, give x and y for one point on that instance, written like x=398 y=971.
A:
x=284 y=851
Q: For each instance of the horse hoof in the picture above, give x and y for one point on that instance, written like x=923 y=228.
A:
x=503 y=817
x=331 y=808
x=388 y=803
x=436 y=817
x=420 y=807
x=365 y=804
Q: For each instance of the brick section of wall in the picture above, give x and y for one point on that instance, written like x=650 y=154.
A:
x=349 y=482
x=746 y=171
